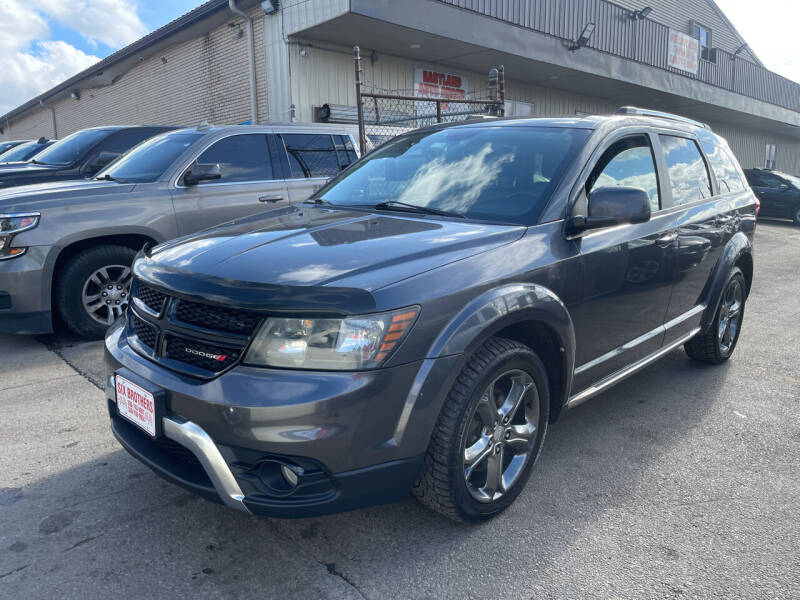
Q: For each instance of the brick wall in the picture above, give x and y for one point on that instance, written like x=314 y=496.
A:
x=205 y=78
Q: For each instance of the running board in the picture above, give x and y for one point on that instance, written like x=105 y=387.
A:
x=615 y=378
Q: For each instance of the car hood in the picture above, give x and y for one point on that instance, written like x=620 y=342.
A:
x=317 y=249
x=25 y=168
x=39 y=196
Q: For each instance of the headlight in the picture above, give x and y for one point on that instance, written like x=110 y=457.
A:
x=349 y=344
x=11 y=225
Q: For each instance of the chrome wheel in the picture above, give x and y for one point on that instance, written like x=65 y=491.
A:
x=730 y=316
x=500 y=435
x=106 y=293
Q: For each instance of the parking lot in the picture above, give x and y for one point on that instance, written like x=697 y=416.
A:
x=681 y=482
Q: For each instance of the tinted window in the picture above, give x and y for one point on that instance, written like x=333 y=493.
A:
x=344 y=150
x=22 y=152
x=241 y=158
x=311 y=155
x=724 y=168
x=71 y=148
x=5 y=146
x=125 y=140
x=149 y=161
x=686 y=169
x=629 y=163
x=492 y=173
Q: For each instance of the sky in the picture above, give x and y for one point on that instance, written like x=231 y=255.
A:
x=44 y=42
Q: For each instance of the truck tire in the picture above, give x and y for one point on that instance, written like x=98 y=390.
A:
x=94 y=289
x=488 y=434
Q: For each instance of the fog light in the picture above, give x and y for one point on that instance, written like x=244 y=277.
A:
x=289 y=475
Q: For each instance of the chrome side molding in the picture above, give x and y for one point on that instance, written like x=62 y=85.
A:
x=615 y=378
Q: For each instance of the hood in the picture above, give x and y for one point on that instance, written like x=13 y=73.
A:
x=25 y=168
x=322 y=248
x=16 y=164
x=39 y=196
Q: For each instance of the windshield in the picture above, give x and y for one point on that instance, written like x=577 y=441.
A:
x=21 y=152
x=71 y=148
x=502 y=173
x=795 y=181
x=148 y=161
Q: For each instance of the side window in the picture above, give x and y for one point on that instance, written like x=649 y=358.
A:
x=768 y=180
x=311 y=155
x=240 y=157
x=628 y=162
x=124 y=140
x=346 y=155
x=688 y=175
x=724 y=169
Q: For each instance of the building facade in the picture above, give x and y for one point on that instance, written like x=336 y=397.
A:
x=561 y=57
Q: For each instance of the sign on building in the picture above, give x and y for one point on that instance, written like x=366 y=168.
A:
x=683 y=52
x=435 y=84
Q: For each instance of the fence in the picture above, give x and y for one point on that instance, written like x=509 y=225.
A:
x=381 y=114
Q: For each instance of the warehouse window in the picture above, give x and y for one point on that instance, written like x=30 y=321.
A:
x=240 y=157
x=703 y=34
x=688 y=174
x=311 y=155
x=728 y=178
x=769 y=159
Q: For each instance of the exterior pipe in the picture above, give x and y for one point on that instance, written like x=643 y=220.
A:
x=53 y=114
x=251 y=56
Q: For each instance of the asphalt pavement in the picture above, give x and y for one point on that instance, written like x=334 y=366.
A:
x=683 y=482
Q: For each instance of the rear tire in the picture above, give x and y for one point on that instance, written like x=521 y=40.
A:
x=796 y=219
x=83 y=298
x=717 y=343
x=488 y=435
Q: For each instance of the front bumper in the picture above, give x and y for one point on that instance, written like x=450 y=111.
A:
x=226 y=438
x=26 y=304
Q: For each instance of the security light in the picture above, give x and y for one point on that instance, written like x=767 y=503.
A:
x=583 y=39
x=75 y=95
x=638 y=15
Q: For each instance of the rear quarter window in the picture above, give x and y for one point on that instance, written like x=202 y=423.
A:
x=728 y=176
x=686 y=170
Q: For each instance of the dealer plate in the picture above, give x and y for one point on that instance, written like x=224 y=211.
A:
x=136 y=404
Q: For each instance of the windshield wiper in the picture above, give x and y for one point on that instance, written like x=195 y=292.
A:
x=108 y=177
x=398 y=205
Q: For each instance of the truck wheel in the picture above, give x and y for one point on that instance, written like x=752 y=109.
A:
x=716 y=345
x=488 y=435
x=94 y=289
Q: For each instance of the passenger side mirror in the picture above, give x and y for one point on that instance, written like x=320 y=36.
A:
x=202 y=172
x=101 y=161
x=615 y=205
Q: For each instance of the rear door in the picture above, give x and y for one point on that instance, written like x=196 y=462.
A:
x=705 y=218
x=248 y=184
x=312 y=159
x=628 y=270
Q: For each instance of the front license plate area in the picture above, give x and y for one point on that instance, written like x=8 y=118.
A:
x=139 y=402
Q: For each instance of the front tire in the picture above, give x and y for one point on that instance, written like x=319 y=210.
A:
x=488 y=435
x=94 y=289
x=716 y=345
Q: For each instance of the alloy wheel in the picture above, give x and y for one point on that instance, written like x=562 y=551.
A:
x=730 y=316
x=106 y=293
x=500 y=435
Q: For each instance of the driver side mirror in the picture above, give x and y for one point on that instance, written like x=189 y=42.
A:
x=615 y=205
x=101 y=161
x=783 y=187
x=202 y=172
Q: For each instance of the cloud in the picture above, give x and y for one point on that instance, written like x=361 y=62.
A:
x=19 y=24
x=24 y=75
x=114 y=23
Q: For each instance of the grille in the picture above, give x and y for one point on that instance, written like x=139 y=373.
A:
x=201 y=355
x=178 y=451
x=145 y=332
x=215 y=317
x=152 y=299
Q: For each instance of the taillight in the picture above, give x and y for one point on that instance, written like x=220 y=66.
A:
x=758 y=205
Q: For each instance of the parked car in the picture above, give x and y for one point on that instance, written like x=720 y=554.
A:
x=778 y=192
x=420 y=320
x=25 y=151
x=66 y=248
x=78 y=156
x=6 y=146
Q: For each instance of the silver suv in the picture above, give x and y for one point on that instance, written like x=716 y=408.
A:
x=66 y=248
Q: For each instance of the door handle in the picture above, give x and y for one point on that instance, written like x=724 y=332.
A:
x=667 y=239
x=271 y=199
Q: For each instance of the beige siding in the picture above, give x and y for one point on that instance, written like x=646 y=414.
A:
x=679 y=14
x=749 y=146
x=302 y=14
x=202 y=79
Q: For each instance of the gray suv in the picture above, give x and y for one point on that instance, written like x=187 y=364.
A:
x=66 y=248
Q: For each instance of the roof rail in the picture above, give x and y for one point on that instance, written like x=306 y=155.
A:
x=646 y=112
